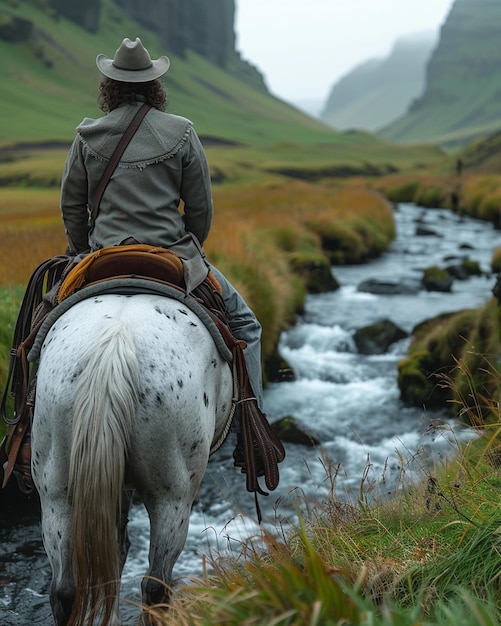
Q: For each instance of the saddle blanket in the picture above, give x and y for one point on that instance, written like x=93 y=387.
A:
x=130 y=286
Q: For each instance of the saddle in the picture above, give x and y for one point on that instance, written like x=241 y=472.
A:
x=138 y=260
x=258 y=452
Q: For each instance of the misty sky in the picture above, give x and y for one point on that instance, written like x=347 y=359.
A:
x=304 y=46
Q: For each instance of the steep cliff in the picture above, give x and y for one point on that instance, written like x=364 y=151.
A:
x=84 y=12
x=380 y=90
x=181 y=25
x=463 y=80
x=205 y=27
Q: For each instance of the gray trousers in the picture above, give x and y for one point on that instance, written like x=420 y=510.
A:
x=245 y=326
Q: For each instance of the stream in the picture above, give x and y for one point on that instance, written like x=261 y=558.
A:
x=370 y=442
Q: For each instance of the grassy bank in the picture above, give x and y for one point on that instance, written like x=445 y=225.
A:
x=429 y=555
x=474 y=194
x=444 y=346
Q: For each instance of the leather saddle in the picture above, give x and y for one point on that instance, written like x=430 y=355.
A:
x=135 y=260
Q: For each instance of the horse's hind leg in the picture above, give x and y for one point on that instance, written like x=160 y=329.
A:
x=168 y=530
x=56 y=530
x=56 y=538
x=48 y=468
x=169 y=521
x=123 y=535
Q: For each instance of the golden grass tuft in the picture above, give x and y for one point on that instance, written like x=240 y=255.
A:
x=32 y=231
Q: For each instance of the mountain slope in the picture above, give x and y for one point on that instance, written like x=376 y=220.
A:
x=50 y=82
x=463 y=84
x=379 y=91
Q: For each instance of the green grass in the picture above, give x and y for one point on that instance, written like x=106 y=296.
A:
x=429 y=555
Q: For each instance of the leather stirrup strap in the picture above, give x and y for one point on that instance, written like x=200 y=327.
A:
x=263 y=450
x=16 y=441
x=44 y=277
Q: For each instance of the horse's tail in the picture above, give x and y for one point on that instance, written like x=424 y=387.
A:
x=104 y=407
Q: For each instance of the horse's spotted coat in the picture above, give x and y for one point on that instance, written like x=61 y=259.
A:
x=178 y=407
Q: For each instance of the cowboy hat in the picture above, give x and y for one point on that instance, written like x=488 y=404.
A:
x=132 y=63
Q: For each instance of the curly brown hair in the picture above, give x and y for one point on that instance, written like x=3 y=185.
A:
x=113 y=93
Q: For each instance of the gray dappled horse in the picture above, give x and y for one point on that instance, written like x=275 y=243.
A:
x=131 y=393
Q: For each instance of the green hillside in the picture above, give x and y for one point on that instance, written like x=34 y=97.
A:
x=49 y=83
x=461 y=99
x=484 y=155
x=380 y=90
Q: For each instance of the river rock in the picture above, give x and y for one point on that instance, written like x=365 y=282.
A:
x=423 y=231
x=458 y=271
x=317 y=275
x=437 y=279
x=320 y=279
x=377 y=338
x=389 y=288
x=289 y=430
x=462 y=267
x=276 y=368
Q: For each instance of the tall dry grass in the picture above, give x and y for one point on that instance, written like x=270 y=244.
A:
x=32 y=231
x=260 y=235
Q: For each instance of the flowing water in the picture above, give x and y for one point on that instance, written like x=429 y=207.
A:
x=348 y=401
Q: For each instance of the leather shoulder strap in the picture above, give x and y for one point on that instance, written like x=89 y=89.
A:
x=116 y=156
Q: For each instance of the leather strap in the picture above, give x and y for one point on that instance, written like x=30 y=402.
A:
x=16 y=440
x=116 y=156
x=46 y=275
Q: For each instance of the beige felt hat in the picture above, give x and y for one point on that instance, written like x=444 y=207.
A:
x=132 y=63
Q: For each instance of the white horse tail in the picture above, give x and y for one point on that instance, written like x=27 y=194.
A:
x=104 y=408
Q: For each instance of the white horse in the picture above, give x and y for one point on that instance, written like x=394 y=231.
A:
x=132 y=393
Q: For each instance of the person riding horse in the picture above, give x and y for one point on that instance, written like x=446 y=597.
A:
x=164 y=164
x=125 y=177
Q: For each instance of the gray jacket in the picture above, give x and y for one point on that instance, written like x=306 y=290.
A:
x=163 y=165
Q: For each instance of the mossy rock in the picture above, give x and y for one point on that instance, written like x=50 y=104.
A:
x=378 y=337
x=418 y=384
x=465 y=269
x=437 y=279
x=317 y=275
x=472 y=267
x=289 y=430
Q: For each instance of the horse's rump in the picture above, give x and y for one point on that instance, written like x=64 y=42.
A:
x=130 y=389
